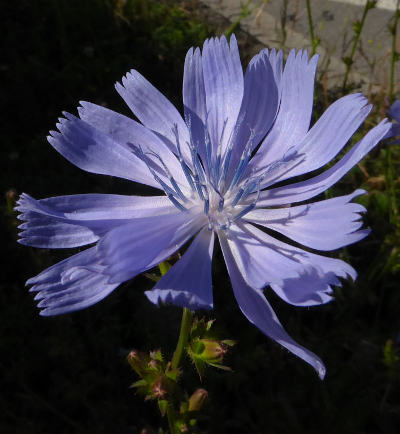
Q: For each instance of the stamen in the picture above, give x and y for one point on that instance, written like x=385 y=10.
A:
x=225 y=166
x=198 y=187
x=138 y=151
x=249 y=207
x=238 y=196
x=206 y=206
x=221 y=203
x=198 y=168
x=176 y=203
x=184 y=166
x=207 y=143
x=218 y=156
x=170 y=177
x=293 y=161
x=244 y=159
x=228 y=154
x=167 y=189
x=244 y=212
x=210 y=225
x=248 y=188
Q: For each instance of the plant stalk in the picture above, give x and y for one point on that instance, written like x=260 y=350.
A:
x=171 y=419
x=187 y=317
x=314 y=41
x=349 y=62
x=394 y=53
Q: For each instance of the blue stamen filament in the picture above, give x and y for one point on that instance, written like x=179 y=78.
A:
x=244 y=159
x=171 y=193
x=207 y=179
x=184 y=166
x=170 y=177
x=218 y=156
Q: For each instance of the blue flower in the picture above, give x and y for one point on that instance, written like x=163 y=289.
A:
x=220 y=172
x=394 y=113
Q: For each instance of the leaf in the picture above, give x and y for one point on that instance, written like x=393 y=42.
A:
x=163 y=405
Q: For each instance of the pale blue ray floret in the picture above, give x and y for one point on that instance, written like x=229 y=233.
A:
x=220 y=171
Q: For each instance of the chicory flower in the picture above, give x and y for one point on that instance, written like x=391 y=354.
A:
x=394 y=113
x=220 y=171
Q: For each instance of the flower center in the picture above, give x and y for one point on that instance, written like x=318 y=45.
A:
x=221 y=194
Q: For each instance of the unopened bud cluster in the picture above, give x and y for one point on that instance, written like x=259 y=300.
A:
x=204 y=348
x=157 y=377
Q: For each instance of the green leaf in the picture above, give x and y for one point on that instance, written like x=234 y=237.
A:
x=347 y=60
x=164 y=267
x=163 y=405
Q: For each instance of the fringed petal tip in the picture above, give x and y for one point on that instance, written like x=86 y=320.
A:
x=24 y=203
x=321 y=370
x=217 y=40
x=178 y=298
x=394 y=111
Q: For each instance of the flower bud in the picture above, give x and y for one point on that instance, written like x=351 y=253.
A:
x=197 y=400
x=136 y=359
x=159 y=389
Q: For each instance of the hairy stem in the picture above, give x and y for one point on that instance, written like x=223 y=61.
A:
x=186 y=324
x=314 y=40
x=358 y=26
x=393 y=31
x=171 y=418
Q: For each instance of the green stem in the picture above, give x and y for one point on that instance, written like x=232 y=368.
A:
x=186 y=324
x=245 y=11
x=394 y=53
x=171 y=419
x=311 y=26
x=367 y=7
x=390 y=186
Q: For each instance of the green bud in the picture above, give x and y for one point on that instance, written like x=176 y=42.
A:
x=156 y=355
x=347 y=60
x=197 y=400
x=212 y=350
x=137 y=360
x=357 y=27
x=164 y=267
x=163 y=405
x=159 y=389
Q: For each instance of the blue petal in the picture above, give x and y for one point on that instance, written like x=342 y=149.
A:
x=304 y=190
x=194 y=99
x=78 y=220
x=223 y=83
x=316 y=273
x=293 y=119
x=96 y=152
x=126 y=132
x=71 y=285
x=325 y=225
x=142 y=244
x=394 y=111
x=276 y=61
x=257 y=257
x=330 y=134
x=259 y=105
x=153 y=109
x=313 y=286
x=258 y=311
x=188 y=282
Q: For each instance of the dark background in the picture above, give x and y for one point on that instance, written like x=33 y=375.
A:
x=69 y=374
